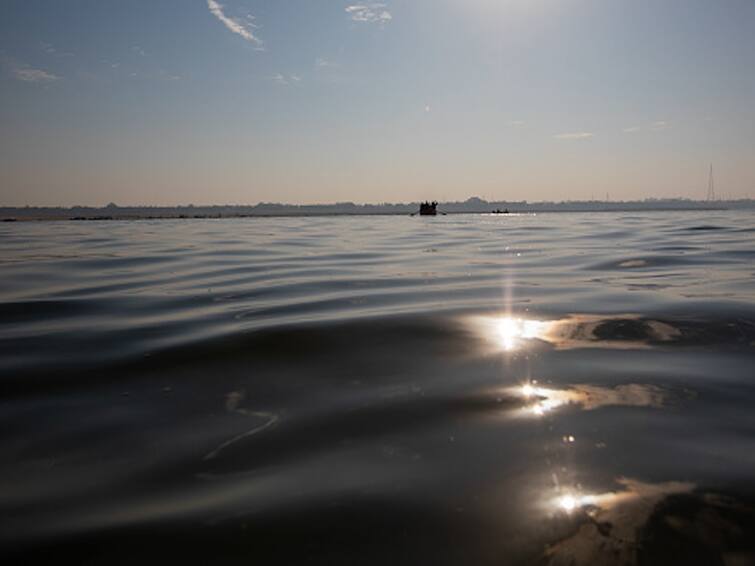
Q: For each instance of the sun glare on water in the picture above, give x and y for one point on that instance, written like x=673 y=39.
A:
x=567 y=503
x=572 y=501
x=512 y=331
x=543 y=400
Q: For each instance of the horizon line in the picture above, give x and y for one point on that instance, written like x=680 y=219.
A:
x=470 y=200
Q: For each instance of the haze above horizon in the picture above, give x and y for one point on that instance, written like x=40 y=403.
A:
x=173 y=102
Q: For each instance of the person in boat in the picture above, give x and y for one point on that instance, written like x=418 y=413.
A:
x=428 y=208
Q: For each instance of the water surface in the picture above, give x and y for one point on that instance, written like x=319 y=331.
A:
x=466 y=389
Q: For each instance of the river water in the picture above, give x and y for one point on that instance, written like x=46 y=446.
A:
x=464 y=389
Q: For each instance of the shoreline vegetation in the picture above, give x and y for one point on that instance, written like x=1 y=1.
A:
x=473 y=205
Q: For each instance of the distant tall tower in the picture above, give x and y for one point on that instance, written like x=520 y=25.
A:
x=711 y=185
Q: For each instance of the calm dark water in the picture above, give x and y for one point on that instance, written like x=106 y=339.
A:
x=472 y=389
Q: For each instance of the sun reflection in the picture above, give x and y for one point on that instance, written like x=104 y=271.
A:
x=631 y=492
x=509 y=332
x=620 y=331
x=571 y=501
x=567 y=503
x=616 y=521
x=512 y=331
x=542 y=400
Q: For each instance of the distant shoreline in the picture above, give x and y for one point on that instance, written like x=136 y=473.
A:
x=266 y=210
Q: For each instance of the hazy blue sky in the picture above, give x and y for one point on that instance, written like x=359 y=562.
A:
x=240 y=101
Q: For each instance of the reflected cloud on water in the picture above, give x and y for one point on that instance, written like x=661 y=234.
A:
x=624 y=331
x=542 y=400
x=613 y=522
x=631 y=491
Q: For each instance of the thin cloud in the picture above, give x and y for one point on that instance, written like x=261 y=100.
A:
x=233 y=24
x=653 y=126
x=284 y=80
x=50 y=49
x=321 y=63
x=516 y=123
x=370 y=12
x=29 y=75
x=574 y=136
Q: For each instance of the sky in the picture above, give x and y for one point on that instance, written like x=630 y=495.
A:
x=167 y=102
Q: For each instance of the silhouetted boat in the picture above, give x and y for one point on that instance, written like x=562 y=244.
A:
x=428 y=208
